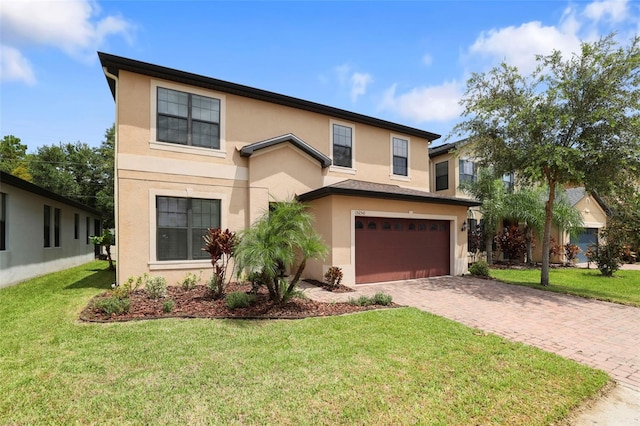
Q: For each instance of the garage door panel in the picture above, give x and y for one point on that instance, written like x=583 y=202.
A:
x=398 y=249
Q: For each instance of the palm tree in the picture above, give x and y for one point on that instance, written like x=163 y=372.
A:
x=490 y=191
x=279 y=238
x=526 y=206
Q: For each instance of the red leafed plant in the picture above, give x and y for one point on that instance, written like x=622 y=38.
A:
x=220 y=245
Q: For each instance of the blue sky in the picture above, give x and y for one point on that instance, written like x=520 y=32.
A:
x=405 y=62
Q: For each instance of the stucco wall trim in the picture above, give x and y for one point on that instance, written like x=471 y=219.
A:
x=145 y=163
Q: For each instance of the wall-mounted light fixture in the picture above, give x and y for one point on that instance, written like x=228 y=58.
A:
x=464 y=226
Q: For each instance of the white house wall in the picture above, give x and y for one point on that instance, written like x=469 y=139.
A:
x=25 y=256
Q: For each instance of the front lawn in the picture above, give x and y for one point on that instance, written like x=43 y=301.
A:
x=396 y=366
x=623 y=287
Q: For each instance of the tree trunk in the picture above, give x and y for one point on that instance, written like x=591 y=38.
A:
x=488 y=246
x=108 y=249
x=546 y=239
x=529 y=233
x=296 y=277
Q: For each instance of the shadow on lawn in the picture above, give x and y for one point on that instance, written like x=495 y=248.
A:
x=100 y=278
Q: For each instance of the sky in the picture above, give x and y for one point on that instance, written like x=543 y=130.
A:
x=406 y=62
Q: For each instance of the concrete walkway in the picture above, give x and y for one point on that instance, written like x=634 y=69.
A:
x=599 y=334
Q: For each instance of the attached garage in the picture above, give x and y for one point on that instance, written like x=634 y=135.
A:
x=378 y=233
x=391 y=249
x=587 y=238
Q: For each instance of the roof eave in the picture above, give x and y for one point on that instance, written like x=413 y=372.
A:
x=116 y=63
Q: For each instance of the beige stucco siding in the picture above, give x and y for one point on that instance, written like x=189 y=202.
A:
x=335 y=215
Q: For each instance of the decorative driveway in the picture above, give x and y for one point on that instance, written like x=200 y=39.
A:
x=599 y=334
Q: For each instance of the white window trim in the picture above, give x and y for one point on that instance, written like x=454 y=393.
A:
x=154 y=143
x=392 y=175
x=340 y=169
x=154 y=263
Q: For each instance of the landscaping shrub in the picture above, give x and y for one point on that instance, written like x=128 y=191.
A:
x=377 y=299
x=512 y=243
x=571 y=252
x=123 y=291
x=382 y=299
x=238 y=299
x=156 y=287
x=190 y=280
x=606 y=256
x=167 y=306
x=221 y=246
x=479 y=269
x=333 y=277
x=113 y=305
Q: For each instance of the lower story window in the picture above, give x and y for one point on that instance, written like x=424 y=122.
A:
x=181 y=223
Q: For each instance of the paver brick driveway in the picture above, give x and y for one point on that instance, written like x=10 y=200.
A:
x=600 y=334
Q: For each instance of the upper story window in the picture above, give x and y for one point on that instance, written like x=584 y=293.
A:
x=442 y=176
x=342 y=143
x=400 y=156
x=188 y=119
x=76 y=226
x=508 y=180
x=56 y=227
x=468 y=171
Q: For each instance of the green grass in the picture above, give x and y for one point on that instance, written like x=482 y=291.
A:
x=395 y=366
x=623 y=287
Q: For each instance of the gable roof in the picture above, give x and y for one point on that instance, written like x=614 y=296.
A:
x=9 y=179
x=447 y=147
x=358 y=188
x=247 y=150
x=576 y=194
x=113 y=64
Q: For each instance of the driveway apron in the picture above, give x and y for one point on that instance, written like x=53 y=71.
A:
x=599 y=334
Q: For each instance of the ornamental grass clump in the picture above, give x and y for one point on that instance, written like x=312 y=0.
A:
x=112 y=305
x=239 y=299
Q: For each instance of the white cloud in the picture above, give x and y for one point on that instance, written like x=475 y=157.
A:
x=518 y=45
x=422 y=104
x=359 y=83
x=14 y=66
x=356 y=82
x=612 y=10
x=73 y=26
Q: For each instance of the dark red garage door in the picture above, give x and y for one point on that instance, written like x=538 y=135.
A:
x=390 y=249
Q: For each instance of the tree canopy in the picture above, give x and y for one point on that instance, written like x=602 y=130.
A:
x=573 y=121
x=74 y=170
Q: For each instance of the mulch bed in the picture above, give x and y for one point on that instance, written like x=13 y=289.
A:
x=337 y=289
x=198 y=303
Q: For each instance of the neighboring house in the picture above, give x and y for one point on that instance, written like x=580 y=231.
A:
x=194 y=152
x=594 y=215
x=453 y=163
x=40 y=231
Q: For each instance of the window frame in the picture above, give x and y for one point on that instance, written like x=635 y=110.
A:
x=509 y=183
x=47 y=226
x=154 y=143
x=156 y=264
x=394 y=174
x=437 y=187
x=57 y=224
x=467 y=177
x=3 y=221
x=338 y=168
x=76 y=226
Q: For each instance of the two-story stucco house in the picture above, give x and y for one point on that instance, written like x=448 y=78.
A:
x=453 y=163
x=194 y=152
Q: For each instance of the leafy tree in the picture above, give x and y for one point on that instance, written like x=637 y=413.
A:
x=14 y=158
x=572 y=121
x=490 y=191
x=280 y=237
x=623 y=223
x=79 y=172
x=106 y=240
